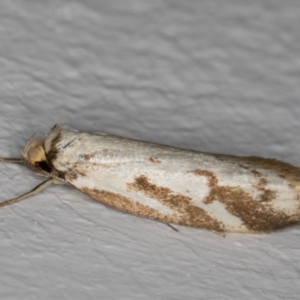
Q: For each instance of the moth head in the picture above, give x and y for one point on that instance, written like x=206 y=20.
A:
x=35 y=158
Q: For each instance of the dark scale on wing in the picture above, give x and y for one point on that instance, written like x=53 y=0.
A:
x=53 y=151
x=69 y=143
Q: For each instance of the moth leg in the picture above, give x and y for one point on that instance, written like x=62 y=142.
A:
x=174 y=228
x=11 y=160
x=60 y=181
x=34 y=191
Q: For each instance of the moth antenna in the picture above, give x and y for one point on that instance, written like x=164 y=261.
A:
x=34 y=191
x=11 y=160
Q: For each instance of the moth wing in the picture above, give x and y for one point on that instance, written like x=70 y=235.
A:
x=221 y=193
x=158 y=190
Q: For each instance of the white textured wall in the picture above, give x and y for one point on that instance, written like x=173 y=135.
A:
x=213 y=75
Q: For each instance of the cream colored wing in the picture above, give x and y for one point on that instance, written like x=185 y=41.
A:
x=220 y=193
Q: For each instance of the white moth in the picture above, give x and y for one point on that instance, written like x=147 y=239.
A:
x=217 y=192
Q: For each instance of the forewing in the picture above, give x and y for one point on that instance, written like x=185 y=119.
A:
x=178 y=186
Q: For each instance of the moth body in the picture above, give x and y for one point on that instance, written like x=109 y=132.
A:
x=186 y=187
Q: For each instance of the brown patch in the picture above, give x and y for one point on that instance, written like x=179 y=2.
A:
x=267 y=195
x=70 y=175
x=257 y=216
x=128 y=205
x=73 y=172
x=283 y=169
x=87 y=157
x=261 y=184
x=154 y=159
x=190 y=214
x=81 y=172
x=105 y=154
x=212 y=183
x=253 y=171
x=53 y=151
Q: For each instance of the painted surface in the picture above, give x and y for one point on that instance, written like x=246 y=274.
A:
x=216 y=76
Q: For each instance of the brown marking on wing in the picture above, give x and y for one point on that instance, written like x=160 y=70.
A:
x=53 y=150
x=191 y=215
x=103 y=153
x=212 y=183
x=267 y=194
x=256 y=215
x=86 y=157
x=154 y=159
x=253 y=171
x=283 y=169
x=105 y=157
x=73 y=174
x=128 y=205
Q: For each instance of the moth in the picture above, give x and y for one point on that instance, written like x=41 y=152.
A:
x=221 y=193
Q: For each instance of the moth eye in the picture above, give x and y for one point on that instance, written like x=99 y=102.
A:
x=44 y=166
